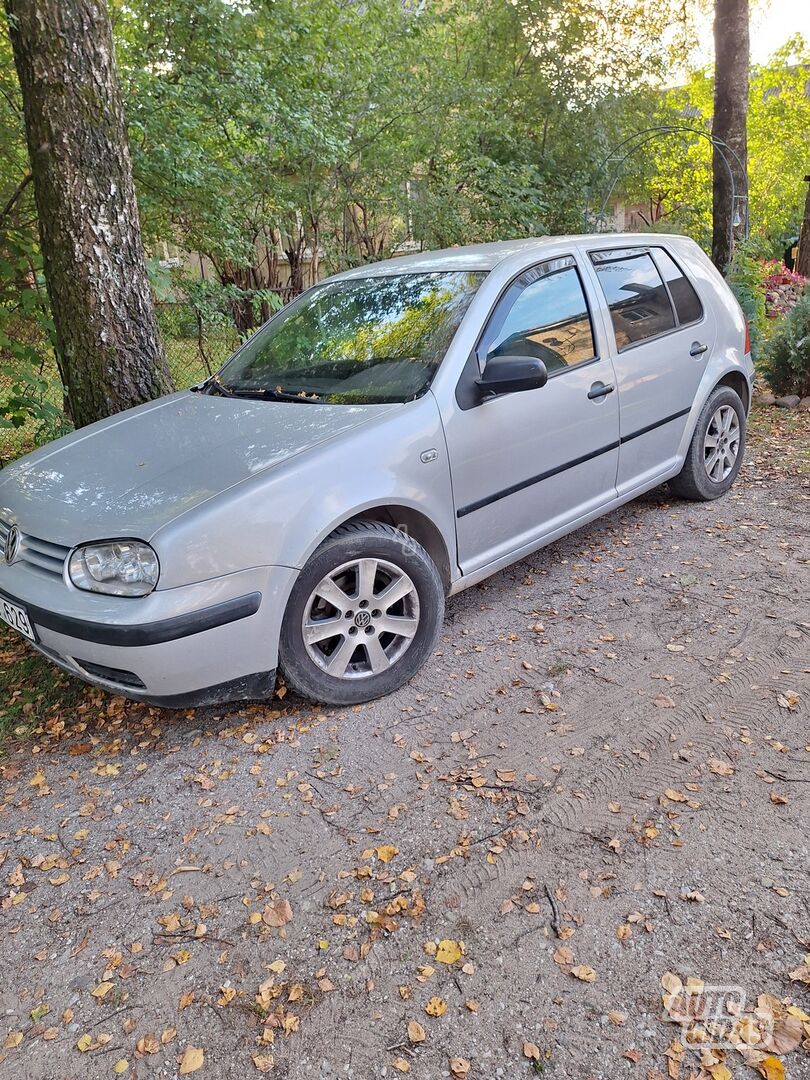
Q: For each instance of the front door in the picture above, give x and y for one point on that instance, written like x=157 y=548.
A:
x=663 y=339
x=525 y=464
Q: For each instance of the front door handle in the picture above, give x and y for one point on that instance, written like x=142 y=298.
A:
x=698 y=349
x=599 y=390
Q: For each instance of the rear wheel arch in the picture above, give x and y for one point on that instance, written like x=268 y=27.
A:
x=739 y=384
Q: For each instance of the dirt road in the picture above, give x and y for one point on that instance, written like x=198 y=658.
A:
x=602 y=777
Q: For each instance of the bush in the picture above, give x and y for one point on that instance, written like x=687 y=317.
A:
x=746 y=278
x=787 y=354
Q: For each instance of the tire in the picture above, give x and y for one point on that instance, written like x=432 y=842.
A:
x=694 y=480
x=343 y=588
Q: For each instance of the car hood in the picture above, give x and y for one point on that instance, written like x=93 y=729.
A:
x=131 y=474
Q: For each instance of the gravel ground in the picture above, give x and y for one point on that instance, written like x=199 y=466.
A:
x=600 y=778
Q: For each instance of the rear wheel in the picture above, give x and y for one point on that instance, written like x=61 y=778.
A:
x=716 y=451
x=363 y=615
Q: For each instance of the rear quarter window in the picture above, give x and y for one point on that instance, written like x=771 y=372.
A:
x=685 y=298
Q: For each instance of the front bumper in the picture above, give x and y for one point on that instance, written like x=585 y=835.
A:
x=209 y=642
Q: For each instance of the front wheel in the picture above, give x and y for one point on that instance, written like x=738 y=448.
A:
x=716 y=451
x=363 y=616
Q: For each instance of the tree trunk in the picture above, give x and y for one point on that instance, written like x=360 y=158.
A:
x=106 y=331
x=244 y=278
x=729 y=125
x=803 y=258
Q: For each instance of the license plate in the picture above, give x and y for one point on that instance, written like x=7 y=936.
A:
x=17 y=618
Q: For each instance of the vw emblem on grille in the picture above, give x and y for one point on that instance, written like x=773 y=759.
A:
x=12 y=545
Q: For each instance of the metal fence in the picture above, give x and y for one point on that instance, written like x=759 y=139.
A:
x=194 y=349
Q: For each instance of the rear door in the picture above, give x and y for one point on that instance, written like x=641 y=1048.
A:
x=662 y=340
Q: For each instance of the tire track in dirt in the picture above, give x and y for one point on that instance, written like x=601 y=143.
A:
x=480 y=884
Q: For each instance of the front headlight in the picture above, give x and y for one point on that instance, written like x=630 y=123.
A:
x=117 y=567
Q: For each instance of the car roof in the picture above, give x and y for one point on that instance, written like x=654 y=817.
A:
x=484 y=257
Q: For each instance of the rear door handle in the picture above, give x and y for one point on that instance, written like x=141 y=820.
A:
x=599 y=390
x=698 y=349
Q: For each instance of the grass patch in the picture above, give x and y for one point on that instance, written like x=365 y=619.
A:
x=30 y=687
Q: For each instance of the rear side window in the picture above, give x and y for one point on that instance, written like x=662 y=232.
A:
x=544 y=314
x=686 y=300
x=636 y=295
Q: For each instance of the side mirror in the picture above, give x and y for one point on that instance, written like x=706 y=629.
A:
x=508 y=374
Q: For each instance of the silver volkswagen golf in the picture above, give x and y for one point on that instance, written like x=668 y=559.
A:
x=396 y=434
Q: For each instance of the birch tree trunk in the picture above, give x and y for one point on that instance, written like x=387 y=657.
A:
x=107 y=336
x=731 y=49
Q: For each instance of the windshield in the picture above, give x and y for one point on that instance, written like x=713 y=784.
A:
x=355 y=341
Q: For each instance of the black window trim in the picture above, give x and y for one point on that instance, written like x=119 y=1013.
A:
x=678 y=324
x=465 y=398
x=664 y=333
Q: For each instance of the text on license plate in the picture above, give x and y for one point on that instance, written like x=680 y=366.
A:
x=17 y=617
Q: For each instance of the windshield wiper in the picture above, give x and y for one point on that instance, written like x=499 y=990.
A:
x=265 y=394
x=213 y=385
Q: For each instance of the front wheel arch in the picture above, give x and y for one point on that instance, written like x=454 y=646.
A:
x=413 y=523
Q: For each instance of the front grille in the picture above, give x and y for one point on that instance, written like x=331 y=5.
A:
x=42 y=556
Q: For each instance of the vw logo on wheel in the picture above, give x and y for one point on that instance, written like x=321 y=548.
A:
x=12 y=545
x=361 y=619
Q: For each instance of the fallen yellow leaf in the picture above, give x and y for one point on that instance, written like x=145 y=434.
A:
x=720 y=768
x=13 y=1040
x=416 y=1033
x=772 y=1068
x=148 y=1043
x=459 y=1067
x=436 y=1007
x=192 y=1060
x=120 y=1066
x=448 y=952
x=386 y=852
x=584 y=973
x=277 y=914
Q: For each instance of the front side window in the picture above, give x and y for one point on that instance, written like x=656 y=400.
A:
x=686 y=300
x=354 y=341
x=544 y=314
x=636 y=295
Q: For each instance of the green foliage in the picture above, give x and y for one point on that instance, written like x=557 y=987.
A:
x=30 y=389
x=211 y=303
x=746 y=277
x=672 y=174
x=266 y=135
x=787 y=353
x=347 y=128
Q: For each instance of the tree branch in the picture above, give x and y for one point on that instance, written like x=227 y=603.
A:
x=12 y=202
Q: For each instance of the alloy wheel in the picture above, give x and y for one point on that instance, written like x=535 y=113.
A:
x=360 y=619
x=721 y=444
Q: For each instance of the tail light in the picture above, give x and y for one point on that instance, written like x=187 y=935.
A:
x=747 y=338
